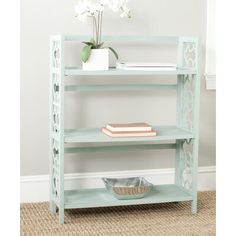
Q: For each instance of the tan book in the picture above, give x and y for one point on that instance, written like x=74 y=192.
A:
x=129 y=134
x=129 y=127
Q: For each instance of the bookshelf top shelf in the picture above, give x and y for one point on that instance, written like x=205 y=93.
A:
x=70 y=71
x=129 y=38
x=126 y=38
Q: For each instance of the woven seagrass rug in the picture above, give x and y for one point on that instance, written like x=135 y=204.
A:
x=156 y=219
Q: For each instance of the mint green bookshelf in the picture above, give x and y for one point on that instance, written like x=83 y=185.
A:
x=183 y=136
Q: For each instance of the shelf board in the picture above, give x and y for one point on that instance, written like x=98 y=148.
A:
x=100 y=197
x=94 y=135
x=119 y=87
x=113 y=71
x=127 y=38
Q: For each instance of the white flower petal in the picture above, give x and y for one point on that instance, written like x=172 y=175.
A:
x=82 y=18
x=122 y=15
x=104 y=2
x=85 y=8
x=99 y=7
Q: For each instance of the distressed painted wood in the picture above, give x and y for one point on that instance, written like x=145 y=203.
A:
x=52 y=203
x=57 y=125
x=100 y=197
x=183 y=136
x=69 y=71
x=94 y=135
x=118 y=87
x=188 y=97
x=126 y=39
x=120 y=148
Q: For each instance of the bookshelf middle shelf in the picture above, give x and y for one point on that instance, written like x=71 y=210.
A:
x=95 y=135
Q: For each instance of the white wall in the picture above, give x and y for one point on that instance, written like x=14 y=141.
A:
x=41 y=18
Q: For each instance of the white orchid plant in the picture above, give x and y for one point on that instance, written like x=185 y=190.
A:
x=94 y=9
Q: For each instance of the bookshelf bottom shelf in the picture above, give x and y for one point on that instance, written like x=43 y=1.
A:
x=100 y=197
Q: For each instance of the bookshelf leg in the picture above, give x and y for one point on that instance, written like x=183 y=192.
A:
x=194 y=174
x=194 y=206
x=178 y=163
x=53 y=207
x=61 y=216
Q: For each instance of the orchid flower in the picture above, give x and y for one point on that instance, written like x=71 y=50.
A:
x=90 y=9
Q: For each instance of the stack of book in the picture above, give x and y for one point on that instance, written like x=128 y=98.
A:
x=129 y=130
x=146 y=66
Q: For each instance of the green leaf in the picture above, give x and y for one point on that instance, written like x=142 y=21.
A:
x=93 y=41
x=115 y=53
x=100 y=45
x=86 y=51
x=88 y=43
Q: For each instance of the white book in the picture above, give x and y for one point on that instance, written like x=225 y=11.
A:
x=145 y=66
x=129 y=127
x=129 y=134
x=151 y=68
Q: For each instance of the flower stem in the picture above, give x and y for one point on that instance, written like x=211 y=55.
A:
x=100 y=29
x=96 y=29
x=93 y=28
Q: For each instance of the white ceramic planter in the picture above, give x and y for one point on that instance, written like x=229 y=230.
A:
x=98 y=60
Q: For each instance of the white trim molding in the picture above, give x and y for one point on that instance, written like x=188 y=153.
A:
x=36 y=188
x=210 y=74
x=210 y=81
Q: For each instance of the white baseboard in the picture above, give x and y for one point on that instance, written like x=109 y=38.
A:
x=210 y=82
x=36 y=188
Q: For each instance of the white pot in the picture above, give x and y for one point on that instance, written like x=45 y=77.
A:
x=98 y=60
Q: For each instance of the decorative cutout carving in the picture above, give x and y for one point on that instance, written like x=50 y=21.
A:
x=55 y=103
x=56 y=54
x=55 y=119
x=55 y=168
x=187 y=165
x=188 y=103
x=55 y=88
x=189 y=55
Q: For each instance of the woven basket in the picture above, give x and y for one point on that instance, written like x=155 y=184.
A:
x=131 y=190
x=128 y=188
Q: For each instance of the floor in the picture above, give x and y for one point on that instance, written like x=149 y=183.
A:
x=159 y=219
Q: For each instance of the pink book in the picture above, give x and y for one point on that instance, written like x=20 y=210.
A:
x=129 y=134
